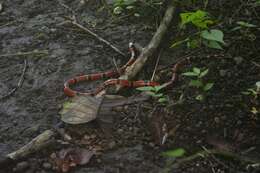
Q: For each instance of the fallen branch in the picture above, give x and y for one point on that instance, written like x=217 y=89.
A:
x=37 y=144
x=151 y=48
x=19 y=83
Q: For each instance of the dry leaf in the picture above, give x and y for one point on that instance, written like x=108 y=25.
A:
x=71 y=157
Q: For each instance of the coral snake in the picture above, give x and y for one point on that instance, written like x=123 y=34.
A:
x=108 y=74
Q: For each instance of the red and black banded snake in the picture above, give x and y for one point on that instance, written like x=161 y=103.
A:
x=108 y=74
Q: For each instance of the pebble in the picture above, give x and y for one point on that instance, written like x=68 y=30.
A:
x=238 y=60
x=120 y=130
x=112 y=144
x=21 y=166
x=217 y=120
x=239 y=122
x=151 y=144
x=198 y=142
x=222 y=73
x=46 y=165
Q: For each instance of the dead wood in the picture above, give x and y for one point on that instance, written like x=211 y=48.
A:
x=42 y=141
x=153 y=46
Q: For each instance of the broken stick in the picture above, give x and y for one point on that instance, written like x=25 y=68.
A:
x=151 y=48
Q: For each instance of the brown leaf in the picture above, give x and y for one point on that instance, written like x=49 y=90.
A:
x=71 y=157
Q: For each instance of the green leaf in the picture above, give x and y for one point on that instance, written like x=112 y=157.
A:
x=189 y=74
x=177 y=43
x=66 y=105
x=118 y=10
x=174 y=153
x=204 y=73
x=208 y=86
x=158 y=88
x=257 y=84
x=245 y=24
x=146 y=88
x=254 y=110
x=130 y=7
x=151 y=93
x=212 y=44
x=196 y=70
x=214 y=35
x=129 y=2
x=196 y=83
x=158 y=95
x=162 y=100
x=137 y=15
x=193 y=43
x=199 y=97
x=252 y=91
x=236 y=28
x=246 y=92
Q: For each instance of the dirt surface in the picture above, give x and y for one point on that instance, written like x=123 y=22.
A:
x=131 y=145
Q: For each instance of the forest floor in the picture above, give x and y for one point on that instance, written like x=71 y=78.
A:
x=224 y=120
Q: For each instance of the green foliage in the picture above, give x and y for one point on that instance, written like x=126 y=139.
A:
x=243 y=25
x=135 y=7
x=212 y=38
x=253 y=92
x=121 y=5
x=155 y=93
x=197 y=81
x=199 y=18
x=174 y=153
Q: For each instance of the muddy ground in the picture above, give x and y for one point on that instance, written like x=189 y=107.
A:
x=223 y=120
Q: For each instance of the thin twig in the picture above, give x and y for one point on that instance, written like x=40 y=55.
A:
x=156 y=65
x=19 y=83
x=256 y=64
x=114 y=62
x=66 y=7
x=75 y=23
x=44 y=52
x=214 y=157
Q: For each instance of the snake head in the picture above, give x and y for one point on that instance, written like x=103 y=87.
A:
x=132 y=49
x=131 y=45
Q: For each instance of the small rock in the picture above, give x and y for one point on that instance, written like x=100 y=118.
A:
x=217 y=120
x=239 y=122
x=120 y=130
x=199 y=124
x=204 y=131
x=198 y=142
x=46 y=165
x=21 y=166
x=112 y=144
x=222 y=73
x=238 y=60
x=151 y=144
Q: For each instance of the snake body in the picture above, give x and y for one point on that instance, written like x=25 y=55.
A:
x=108 y=74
